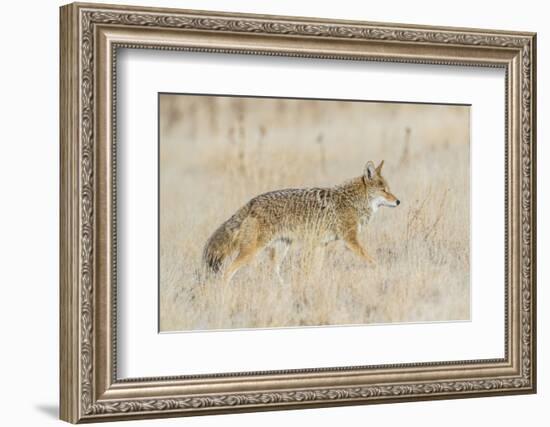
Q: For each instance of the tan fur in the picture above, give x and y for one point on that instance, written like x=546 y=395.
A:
x=279 y=218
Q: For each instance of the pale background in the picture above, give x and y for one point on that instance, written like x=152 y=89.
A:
x=216 y=153
x=150 y=353
x=29 y=220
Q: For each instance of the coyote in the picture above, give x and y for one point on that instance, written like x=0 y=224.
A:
x=277 y=219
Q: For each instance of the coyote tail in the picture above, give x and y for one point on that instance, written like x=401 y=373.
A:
x=223 y=242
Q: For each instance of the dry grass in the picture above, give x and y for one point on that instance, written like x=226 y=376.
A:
x=217 y=153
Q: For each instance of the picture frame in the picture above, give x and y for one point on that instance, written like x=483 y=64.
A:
x=91 y=37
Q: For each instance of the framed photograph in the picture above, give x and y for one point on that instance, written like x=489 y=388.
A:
x=266 y=212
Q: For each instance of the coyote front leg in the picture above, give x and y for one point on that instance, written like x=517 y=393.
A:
x=353 y=243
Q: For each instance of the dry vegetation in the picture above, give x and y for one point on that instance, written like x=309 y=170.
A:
x=216 y=153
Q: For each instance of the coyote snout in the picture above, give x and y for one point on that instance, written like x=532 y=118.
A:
x=277 y=219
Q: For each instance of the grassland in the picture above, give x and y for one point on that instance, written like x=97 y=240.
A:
x=216 y=153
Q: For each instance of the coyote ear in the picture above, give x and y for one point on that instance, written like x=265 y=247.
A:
x=379 y=168
x=370 y=171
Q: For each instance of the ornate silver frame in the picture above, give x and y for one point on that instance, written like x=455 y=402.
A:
x=90 y=36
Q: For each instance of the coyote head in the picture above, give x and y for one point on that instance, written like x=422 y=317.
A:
x=378 y=191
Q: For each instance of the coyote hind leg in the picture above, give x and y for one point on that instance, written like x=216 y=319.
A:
x=250 y=245
x=277 y=253
x=245 y=255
